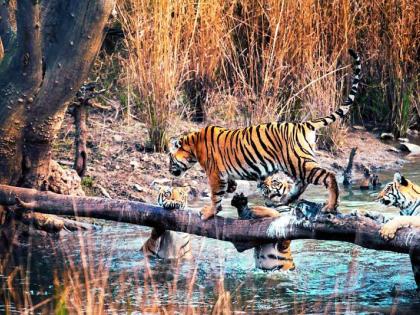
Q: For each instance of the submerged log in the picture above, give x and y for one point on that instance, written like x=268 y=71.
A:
x=304 y=222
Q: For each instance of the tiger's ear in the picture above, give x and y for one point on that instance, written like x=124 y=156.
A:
x=174 y=144
x=400 y=179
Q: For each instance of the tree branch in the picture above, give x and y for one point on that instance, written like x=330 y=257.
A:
x=361 y=230
x=357 y=229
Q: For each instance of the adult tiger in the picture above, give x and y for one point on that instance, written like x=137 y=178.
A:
x=256 y=152
x=268 y=257
x=404 y=194
x=168 y=244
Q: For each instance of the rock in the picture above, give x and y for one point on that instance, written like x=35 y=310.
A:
x=138 y=188
x=404 y=140
x=410 y=147
x=134 y=164
x=117 y=138
x=393 y=149
x=387 y=136
x=357 y=127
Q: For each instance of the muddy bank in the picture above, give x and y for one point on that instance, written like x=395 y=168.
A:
x=119 y=165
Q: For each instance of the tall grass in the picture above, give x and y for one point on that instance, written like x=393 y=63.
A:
x=265 y=60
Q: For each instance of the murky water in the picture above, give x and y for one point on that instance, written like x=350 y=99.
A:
x=330 y=277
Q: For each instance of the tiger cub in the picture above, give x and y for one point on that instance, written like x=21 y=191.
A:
x=404 y=194
x=274 y=190
x=168 y=244
x=256 y=152
x=268 y=257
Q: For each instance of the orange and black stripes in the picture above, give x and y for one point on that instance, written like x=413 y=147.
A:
x=268 y=257
x=256 y=152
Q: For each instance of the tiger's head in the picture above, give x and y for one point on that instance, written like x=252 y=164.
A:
x=173 y=197
x=401 y=193
x=181 y=154
x=273 y=189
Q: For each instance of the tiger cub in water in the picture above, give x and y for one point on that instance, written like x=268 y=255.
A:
x=268 y=257
x=168 y=244
x=404 y=194
x=274 y=190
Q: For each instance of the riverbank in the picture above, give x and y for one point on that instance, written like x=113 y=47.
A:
x=120 y=166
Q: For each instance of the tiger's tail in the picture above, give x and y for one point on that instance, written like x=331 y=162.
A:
x=344 y=109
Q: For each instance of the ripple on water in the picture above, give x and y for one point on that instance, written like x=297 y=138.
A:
x=330 y=277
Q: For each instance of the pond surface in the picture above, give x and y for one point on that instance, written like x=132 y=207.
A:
x=330 y=277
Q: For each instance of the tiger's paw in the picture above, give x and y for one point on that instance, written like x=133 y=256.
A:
x=207 y=212
x=389 y=229
x=231 y=186
x=329 y=209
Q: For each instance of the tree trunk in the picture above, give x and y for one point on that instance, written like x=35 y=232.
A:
x=56 y=43
x=44 y=64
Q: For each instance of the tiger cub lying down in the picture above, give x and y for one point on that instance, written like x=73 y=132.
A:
x=256 y=152
x=168 y=244
x=268 y=257
x=404 y=194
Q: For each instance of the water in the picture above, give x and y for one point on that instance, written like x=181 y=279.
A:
x=330 y=277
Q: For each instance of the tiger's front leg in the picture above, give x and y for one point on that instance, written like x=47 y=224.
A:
x=218 y=187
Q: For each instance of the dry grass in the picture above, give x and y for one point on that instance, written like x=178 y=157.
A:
x=270 y=60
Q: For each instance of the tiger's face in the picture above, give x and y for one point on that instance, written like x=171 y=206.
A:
x=181 y=156
x=173 y=197
x=400 y=193
x=273 y=189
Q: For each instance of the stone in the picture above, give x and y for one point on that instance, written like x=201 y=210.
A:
x=404 y=140
x=138 y=188
x=117 y=138
x=134 y=164
x=393 y=149
x=387 y=136
x=410 y=147
x=357 y=127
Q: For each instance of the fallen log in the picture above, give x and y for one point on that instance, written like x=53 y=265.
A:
x=362 y=230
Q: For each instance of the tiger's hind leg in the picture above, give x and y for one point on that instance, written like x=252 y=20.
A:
x=317 y=175
x=218 y=187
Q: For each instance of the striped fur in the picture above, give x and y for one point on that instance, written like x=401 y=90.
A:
x=404 y=194
x=268 y=257
x=172 y=198
x=256 y=152
x=274 y=190
x=168 y=244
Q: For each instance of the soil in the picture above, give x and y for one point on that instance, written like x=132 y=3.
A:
x=119 y=165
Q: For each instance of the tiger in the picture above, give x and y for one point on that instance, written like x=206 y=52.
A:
x=268 y=257
x=168 y=244
x=274 y=189
x=256 y=152
x=404 y=194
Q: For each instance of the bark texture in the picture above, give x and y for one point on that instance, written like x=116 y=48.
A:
x=44 y=64
x=359 y=229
